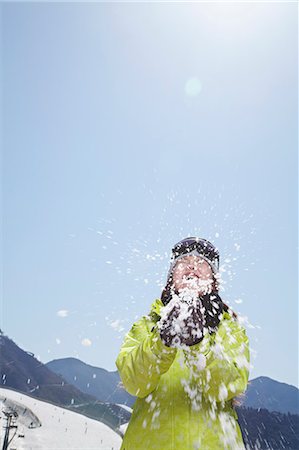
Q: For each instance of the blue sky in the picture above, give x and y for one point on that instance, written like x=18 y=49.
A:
x=127 y=127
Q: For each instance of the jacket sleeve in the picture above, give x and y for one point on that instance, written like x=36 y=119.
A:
x=143 y=358
x=222 y=370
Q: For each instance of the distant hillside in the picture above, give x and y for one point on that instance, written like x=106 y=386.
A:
x=23 y=372
x=266 y=430
x=104 y=385
x=263 y=392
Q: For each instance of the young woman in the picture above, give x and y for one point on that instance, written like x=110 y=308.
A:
x=186 y=361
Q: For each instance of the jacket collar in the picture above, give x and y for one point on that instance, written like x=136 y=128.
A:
x=157 y=305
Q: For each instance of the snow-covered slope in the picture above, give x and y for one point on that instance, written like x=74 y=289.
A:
x=124 y=426
x=52 y=427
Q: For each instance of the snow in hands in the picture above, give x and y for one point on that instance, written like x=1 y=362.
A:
x=182 y=319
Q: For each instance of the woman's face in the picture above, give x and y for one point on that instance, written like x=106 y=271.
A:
x=195 y=273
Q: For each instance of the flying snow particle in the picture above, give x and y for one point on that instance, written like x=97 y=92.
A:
x=229 y=432
x=62 y=313
x=193 y=87
x=222 y=392
x=116 y=325
x=86 y=342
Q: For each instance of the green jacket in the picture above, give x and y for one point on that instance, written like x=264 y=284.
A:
x=182 y=405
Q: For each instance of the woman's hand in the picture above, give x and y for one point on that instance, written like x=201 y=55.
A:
x=182 y=325
x=213 y=308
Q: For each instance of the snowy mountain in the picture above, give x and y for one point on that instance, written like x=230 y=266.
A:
x=22 y=372
x=41 y=425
